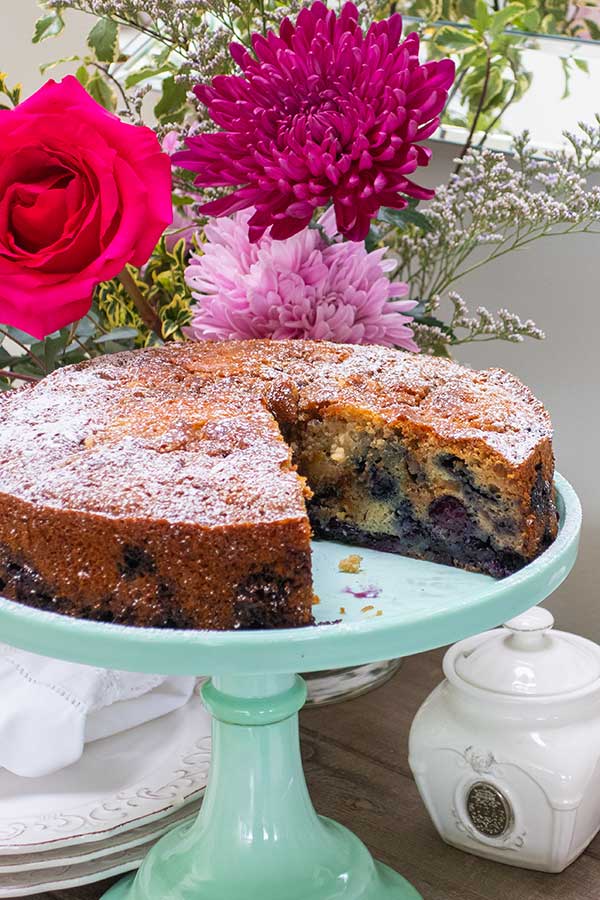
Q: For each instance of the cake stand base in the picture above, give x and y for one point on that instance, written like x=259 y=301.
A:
x=386 y=885
x=257 y=836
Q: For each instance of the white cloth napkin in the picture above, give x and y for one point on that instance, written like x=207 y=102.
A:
x=49 y=709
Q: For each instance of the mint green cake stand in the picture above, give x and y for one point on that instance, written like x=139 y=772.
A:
x=258 y=836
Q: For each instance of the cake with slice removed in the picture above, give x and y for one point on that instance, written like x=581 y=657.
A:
x=177 y=486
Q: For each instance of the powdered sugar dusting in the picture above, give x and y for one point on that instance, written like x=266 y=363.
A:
x=184 y=433
x=129 y=441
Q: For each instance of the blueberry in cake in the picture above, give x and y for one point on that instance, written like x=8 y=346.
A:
x=178 y=486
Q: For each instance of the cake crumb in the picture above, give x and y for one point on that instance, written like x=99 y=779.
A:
x=343 y=610
x=350 y=564
x=379 y=612
x=338 y=454
x=367 y=608
x=316 y=599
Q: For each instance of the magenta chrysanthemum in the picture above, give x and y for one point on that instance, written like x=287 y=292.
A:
x=324 y=112
x=299 y=288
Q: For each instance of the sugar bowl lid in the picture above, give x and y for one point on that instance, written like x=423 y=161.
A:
x=525 y=658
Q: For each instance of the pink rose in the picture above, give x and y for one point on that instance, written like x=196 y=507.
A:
x=81 y=195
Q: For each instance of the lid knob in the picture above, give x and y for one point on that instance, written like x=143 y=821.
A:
x=525 y=658
x=530 y=628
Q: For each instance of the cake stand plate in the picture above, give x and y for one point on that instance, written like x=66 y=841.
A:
x=257 y=836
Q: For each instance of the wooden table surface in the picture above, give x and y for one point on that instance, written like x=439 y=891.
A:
x=356 y=765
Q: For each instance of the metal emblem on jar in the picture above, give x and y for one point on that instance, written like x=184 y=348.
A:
x=488 y=809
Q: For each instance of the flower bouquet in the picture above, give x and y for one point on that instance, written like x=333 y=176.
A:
x=272 y=196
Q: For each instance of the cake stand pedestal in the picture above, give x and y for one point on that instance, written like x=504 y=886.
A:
x=257 y=836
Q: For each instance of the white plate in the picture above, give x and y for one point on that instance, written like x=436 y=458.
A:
x=21 y=884
x=96 y=850
x=120 y=783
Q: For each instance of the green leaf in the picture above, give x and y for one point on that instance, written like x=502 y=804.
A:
x=161 y=58
x=455 y=38
x=457 y=119
x=505 y=17
x=101 y=92
x=166 y=280
x=19 y=335
x=170 y=329
x=15 y=94
x=146 y=73
x=171 y=106
x=593 y=28
x=86 y=327
x=476 y=57
x=48 y=26
x=582 y=64
x=466 y=8
x=483 y=19
x=112 y=347
x=472 y=85
x=431 y=320
x=495 y=86
x=117 y=334
x=400 y=218
x=57 y=62
x=179 y=200
x=73 y=354
x=103 y=40
x=548 y=25
x=82 y=75
x=566 y=67
x=53 y=347
x=372 y=239
x=524 y=80
x=530 y=20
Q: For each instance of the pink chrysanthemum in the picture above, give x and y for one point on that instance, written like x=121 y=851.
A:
x=299 y=288
x=324 y=112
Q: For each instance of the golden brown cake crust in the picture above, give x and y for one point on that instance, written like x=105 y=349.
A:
x=155 y=487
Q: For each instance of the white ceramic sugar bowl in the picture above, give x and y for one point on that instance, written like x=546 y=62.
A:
x=506 y=751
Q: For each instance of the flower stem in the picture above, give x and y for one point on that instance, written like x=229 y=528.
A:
x=497 y=118
x=25 y=349
x=105 y=71
x=18 y=376
x=147 y=313
x=482 y=97
x=261 y=6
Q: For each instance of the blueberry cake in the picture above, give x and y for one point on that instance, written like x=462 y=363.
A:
x=179 y=486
